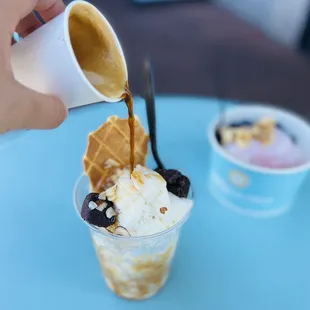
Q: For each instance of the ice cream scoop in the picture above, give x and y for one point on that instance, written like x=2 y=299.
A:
x=143 y=203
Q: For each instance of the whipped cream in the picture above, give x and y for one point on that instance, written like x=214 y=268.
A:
x=143 y=203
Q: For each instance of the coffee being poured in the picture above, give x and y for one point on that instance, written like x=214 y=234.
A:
x=96 y=51
x=99 y=56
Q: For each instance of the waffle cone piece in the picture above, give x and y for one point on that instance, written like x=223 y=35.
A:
x=108 y=150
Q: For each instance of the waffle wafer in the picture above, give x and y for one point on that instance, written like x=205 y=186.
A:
x=108 y=151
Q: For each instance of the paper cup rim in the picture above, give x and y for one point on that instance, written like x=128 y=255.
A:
x=221 y=152
x=124 y=238
x=73 y=57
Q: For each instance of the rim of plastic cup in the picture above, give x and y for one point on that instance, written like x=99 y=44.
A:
x=70 y=49
x=123 y=238
x=221 y=151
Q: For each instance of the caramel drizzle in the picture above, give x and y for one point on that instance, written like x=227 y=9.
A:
x=127 y=96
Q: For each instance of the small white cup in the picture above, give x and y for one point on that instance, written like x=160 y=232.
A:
x=45 y=62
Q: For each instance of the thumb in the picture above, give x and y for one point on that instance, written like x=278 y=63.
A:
x=34 y=110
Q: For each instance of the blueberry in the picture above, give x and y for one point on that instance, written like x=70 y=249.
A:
x=241 y=124
x=100 y=218
x=177 y=183
x=218 y=136
x=279 y=126
x=85 y=209
x=283 y=129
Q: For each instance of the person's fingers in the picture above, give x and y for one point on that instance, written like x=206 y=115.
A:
x=11 y=14
x=27 y=25
x=23 y=108
x=33 y=110
x=48 y=9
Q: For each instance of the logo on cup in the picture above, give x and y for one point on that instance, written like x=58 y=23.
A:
x=238 y=178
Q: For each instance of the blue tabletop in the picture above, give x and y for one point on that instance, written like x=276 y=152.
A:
x=225 y=260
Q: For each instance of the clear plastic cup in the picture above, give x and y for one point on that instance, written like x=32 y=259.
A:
x=133 y=267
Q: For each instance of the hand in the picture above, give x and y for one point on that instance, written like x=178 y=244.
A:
x=21 y=107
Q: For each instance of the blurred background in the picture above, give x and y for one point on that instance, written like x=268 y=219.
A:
x=248 y=50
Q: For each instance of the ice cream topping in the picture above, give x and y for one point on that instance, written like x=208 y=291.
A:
x=98 y=212
x=244 y=133
x=177 y=183
x=264 y=143
x=142 y=203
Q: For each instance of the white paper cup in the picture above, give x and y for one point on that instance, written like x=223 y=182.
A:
x=45 y=62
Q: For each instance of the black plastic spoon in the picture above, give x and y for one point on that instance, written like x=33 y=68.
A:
x=150 y=110
x=177 y=183
x=221 y=104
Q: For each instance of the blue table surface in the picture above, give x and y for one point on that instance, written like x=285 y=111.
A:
x=225 y=260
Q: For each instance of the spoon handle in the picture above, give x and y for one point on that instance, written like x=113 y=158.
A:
x=150 y=110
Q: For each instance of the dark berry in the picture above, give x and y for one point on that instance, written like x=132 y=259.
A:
x=218 y=136
x=170 y=175
x=85 y=209
x=279 y=126
x=103 y=218
x=177 y=183
x=282 y=128
x=241 y=124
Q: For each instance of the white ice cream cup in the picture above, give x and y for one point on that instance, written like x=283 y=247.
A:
x=133 y=267
x=45 y=62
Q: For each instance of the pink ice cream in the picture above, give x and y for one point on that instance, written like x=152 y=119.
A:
x=282 y=153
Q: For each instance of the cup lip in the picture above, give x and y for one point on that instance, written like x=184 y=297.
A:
x=72 y=54
x=126 y=238
x=220 y=150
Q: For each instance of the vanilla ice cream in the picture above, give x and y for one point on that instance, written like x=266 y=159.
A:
x=143 y=203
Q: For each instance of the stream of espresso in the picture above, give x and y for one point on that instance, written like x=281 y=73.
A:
x=131 y=122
